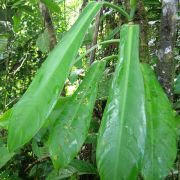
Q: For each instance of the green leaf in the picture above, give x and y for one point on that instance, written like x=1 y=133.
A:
x=30 y=113
x=122 y=133
x=52 y=5
x=17 y=3
x=133 y=3
x=5 y=156
x=104 y=85
x=17 y=22
x=73 y=121
x=3 y=42
x=76 y=167
x=40 y=152
x=152 y=2
x=74 y=74
x=57 y=111
x=89 y=35
x=62 y=173
x=83 y=167
x=42 y=42
x=4 y=119
x=112 y=33
x=91 y=139
x=26 y=9
x=160 y=151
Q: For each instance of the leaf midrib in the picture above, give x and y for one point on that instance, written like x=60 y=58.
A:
x=129 y=49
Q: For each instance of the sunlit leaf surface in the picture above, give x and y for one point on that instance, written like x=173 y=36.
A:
x=30 y=113
x=72 y=119
x=122 y=133
x=160 y=149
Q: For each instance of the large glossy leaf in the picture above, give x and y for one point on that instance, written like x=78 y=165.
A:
x=73 y=121
x=30 y=113
x=122 y=133
x=160 y=149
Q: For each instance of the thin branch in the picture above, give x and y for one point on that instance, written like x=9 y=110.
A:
x=10 y=102
x=109 y=58
x=19 y=67
x=96 y=46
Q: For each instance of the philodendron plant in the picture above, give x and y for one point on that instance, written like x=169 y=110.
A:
x=137 y=136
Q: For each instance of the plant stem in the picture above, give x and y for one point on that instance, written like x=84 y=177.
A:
x=118 y=9
x=94 y=47
x=133 y=4
x=107 y=58
x=132 y=13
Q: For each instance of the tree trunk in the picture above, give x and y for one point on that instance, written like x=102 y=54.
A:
x=141 y=19
x=165 y=66
x=48 y=25
x=95 y=36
